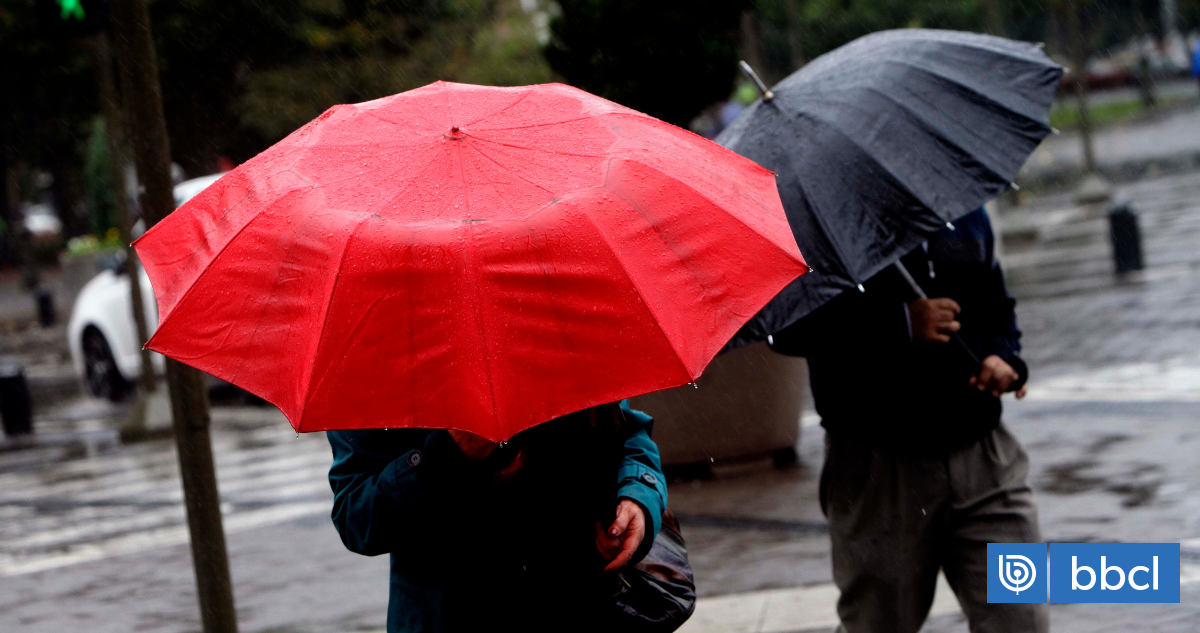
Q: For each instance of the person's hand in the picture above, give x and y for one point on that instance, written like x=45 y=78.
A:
x=933 y=319
x=996 y=376
x=618 y=544
x=511 y=470
x=471 y=445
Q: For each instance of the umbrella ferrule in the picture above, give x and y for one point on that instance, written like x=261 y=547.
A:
x=766 y=93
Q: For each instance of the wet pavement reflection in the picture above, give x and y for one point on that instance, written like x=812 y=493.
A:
x=92 y=533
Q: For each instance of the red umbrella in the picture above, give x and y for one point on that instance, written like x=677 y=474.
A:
x=465 y=257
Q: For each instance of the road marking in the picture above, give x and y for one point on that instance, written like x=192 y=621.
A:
x=130 y=500
x=785 y=610
x=158 y=537
x=810 y=607
x=1176 y=380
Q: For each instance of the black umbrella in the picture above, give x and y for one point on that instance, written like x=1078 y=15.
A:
x=885 y=140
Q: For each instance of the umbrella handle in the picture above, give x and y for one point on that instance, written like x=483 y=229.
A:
x=920 y=292
x=766 y=93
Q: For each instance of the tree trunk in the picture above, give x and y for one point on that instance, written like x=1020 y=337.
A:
x=994 y=17
x=67 y=190
x=1079 y=61
x=1054 y=47
x=18 y=238
x=114 y=121
x=751 y=45
x=795 y=34
x=192 y=125
x=189 y=398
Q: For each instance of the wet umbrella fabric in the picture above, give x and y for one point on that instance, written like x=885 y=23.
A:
x=483 y=259
x=881 y=142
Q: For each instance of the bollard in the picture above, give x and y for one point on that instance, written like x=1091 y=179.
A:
x=1126 y=238
x=45 y=306
x=16 y=410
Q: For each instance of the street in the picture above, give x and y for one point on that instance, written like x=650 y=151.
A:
x=477 y=234
x=93 y=534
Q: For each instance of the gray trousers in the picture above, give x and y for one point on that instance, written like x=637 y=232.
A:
x=894 y=521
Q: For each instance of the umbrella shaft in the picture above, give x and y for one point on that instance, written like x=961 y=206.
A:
x=920 y=292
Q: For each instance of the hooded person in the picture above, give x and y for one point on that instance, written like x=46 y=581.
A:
x=512 y=537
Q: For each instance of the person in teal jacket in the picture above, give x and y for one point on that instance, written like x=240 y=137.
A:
x=513 y=537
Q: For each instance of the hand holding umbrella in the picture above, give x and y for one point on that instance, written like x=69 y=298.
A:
x=884 y=141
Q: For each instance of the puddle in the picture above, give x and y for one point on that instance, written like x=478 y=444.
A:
x=1138 y=485
x=1065 y=479
x=1136 y=495
x=1105 y=442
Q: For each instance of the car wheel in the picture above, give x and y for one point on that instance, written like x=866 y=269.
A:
x=103 y=378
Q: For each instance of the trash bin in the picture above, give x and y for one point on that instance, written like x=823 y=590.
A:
x=16 y=410
x=45 y=306
x=1126 y=238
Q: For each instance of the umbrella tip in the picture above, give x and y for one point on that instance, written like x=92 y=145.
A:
x=748 y=70
x=861 y=289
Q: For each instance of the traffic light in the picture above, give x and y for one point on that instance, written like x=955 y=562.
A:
x=72 y=9
x=72 y=18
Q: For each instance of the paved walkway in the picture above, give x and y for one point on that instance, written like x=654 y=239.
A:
x=92 y=537
x=1171 y=135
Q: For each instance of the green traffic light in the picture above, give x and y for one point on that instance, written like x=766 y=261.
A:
x=71 y=9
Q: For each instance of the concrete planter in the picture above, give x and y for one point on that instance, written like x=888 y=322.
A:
x=746 y=404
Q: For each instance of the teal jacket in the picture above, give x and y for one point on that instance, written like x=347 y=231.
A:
x=468 y=555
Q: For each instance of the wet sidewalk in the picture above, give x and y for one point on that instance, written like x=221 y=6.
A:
x=92 y=537
x=1151 y=144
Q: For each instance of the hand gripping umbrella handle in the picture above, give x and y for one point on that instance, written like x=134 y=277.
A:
x=920 y=292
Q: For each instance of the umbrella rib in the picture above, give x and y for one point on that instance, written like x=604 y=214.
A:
x=1019 y=52
x=325 y=318
x=853 y=141
x=1029 y=55
x=928 y=128
x=196 y=282
x=506 y=169
x=937 y=75
x=501 y=110
x=533 y=125
x=641 y=296
x=535 y=149
x=479 y=323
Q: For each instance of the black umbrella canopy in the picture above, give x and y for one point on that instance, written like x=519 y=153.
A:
x=880 y=143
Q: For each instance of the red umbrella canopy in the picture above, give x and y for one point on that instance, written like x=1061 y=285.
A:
x=467 y=257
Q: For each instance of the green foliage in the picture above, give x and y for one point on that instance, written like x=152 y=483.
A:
x=239 y=75
x=109 y=242
x=1065 y=113
x=668 y=58
x=380 y=50
x=97 y=182
x=824 y=25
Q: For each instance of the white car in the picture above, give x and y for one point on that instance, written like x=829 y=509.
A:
x=101 y=333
